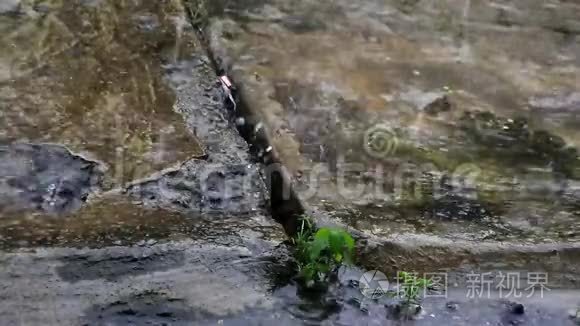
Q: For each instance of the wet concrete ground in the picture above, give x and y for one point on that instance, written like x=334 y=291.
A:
x=127 y=196
x=449 y=119
x=442 y=133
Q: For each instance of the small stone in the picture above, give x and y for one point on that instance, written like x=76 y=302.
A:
x=356 y=302
x=574 y=314
x=165 y=314
x=518 y=309
x=453 y=306
x=416 y=309
x=353 y=284
x=240 y=122
x=440 y=104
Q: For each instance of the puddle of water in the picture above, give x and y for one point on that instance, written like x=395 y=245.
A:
x=344 y=304
x=89 y=75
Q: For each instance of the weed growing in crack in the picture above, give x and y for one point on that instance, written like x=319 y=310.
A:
x=320 y=252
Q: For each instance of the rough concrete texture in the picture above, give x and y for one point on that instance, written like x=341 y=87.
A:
x=44 y=178
x=178 y=283
x=92 y=77
x=126 y=193
x=446 y=121
x=117 y=225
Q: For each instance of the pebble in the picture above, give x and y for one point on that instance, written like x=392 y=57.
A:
x=453 y=306
x=151 y=242
x=353 y=283
x=240 y=121
x=574 y=314
x=518 y=309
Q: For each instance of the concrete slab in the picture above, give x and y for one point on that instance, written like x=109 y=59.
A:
x=417 y=119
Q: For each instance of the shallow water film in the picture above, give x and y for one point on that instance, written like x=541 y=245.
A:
x=168 y=162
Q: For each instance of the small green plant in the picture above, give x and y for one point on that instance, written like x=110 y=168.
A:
x=411 y=285
x=321 y=252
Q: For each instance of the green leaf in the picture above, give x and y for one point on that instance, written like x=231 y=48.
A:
x=324 y=268
x=348 y=250
x=308 y=272
x=348 y=239
x=323 y=234
x=320 y=253
x=340 y=243
x=316 y=248
x=336 y=240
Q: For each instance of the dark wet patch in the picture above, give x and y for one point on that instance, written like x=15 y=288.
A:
x=112 y=267
x=303 y=24
x=147 y=308
x=514 y=141
x=45 y=178
x=439 y=105
x=343 y=304
x=215 y=189
x=406 y=6
x=457 y=207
